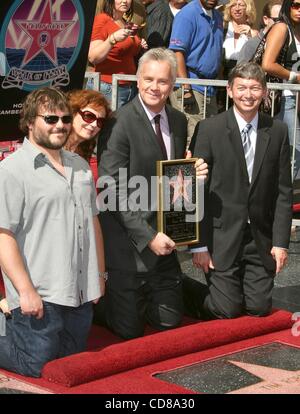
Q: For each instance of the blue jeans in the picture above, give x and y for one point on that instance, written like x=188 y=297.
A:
x=125 y=93
x=30 y=343
x=287 y=114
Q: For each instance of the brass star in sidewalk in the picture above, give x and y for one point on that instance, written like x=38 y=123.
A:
x=274 y=380
x=10 y=385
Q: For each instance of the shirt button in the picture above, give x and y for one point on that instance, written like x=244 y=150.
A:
x=80 y=249
x=79 y=227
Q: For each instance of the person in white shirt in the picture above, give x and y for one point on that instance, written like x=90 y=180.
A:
x=239 y=17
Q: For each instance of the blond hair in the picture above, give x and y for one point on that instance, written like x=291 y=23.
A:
x=250 y=11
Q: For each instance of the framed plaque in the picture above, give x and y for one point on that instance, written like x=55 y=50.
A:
x=177 y=214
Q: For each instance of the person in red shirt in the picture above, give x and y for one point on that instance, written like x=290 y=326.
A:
x=115 y=48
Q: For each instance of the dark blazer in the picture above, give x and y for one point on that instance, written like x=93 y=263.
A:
x=230 y=200
x=132 y=145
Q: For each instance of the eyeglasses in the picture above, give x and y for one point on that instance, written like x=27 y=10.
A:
x=89 y=117
x=53 y=119
x=295 y=6
x=275 y=19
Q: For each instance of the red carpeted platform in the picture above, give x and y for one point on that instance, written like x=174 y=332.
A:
x=116 y=366
x=160 y=346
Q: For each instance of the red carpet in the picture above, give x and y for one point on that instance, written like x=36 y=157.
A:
x=89 y=366
x=128 y=366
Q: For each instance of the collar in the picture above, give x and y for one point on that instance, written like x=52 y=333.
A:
x=150 y=114
x=32 y=150
x=208 y=13
x=242 y=123
x=39 y=158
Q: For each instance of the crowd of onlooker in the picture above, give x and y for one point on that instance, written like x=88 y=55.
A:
x=208 y=38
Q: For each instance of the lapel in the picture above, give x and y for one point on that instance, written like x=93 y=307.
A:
x=262 y=142
x=147 y=130
x=174 y=139
x=236 y=141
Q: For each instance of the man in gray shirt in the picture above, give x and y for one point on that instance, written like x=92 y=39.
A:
x=50 y=239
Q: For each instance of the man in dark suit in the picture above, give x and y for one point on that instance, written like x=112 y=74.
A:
x=248 y=202
x=144 y=276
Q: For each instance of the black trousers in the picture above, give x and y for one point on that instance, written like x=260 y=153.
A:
x=133 y=299
x=244 y=288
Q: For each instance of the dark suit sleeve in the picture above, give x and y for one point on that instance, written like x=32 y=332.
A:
x=114 y=157
x=283 y=205
x=200 y=148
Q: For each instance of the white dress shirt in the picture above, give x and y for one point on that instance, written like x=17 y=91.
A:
x=164 y=125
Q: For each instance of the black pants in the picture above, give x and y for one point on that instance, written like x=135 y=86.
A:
x=244 y=288
x=134 y=299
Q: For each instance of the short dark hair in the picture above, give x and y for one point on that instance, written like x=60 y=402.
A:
x=248 y=70
x=268 y=7
x=51 y=98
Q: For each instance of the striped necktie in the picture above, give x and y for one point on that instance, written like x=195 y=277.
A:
x=248 y=149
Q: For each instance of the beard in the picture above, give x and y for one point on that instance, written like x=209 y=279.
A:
x=45 y=141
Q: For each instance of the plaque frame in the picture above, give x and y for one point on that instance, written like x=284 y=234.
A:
x=162 y=171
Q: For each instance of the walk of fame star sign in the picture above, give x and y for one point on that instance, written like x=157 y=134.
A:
x=178 y=200
x=41 y=40
x=268 y=369
x=43 y=43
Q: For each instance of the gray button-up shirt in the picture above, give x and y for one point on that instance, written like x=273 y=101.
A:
x=51 y=217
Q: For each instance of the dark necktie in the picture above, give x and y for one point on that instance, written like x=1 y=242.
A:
x=160 y=137
x=248 y=149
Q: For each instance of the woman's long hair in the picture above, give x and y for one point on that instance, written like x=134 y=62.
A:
x=285 y=13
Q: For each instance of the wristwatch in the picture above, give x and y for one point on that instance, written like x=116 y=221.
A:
x=104 y=275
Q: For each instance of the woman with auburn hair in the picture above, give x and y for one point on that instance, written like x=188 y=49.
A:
x=90 y=110
x=285 y=36
x=239 y=17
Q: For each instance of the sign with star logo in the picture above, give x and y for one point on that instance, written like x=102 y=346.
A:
x=42 y=43
x=178 y=200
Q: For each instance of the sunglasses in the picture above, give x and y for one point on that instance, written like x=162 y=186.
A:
x=275 y=19
x=295 y=6
x=53 y=119
x=89 y=117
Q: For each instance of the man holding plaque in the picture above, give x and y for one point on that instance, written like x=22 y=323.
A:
x=248 y=202
x=144 y=283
